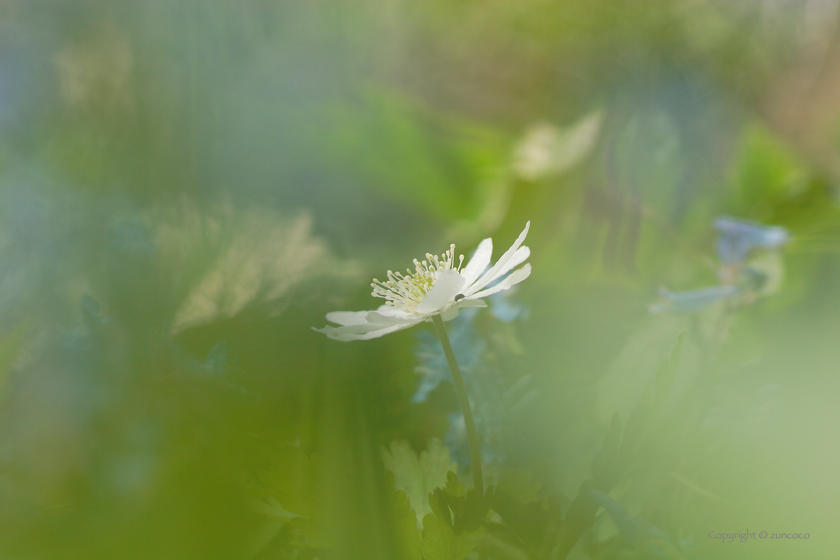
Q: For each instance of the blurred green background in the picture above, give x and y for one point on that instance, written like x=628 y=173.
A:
x=187 y=187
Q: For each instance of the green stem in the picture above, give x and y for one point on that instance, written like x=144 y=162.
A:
x=461 y=391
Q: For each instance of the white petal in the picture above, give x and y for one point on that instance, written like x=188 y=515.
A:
x=388 y=330
x=354 y=329
x=478 y=263
x=453 y=311
x=446 y=287
x=384 y=315
x=520 y=256
x=366 y=331
x=449 y=314
x=493 y=273
x=471 y=303
x=515 y=278
x=348 y=317
x=391 y=311
x=379 y=318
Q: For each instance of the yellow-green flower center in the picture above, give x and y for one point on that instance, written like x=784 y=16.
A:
x=406 y=291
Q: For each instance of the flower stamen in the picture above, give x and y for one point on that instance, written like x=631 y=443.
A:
x=407 y=291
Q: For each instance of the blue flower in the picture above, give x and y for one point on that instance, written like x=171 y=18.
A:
x=693 y=300
x=738 y=282
x=739 y=237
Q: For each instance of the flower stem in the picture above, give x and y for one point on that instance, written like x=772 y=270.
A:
x=463 y=399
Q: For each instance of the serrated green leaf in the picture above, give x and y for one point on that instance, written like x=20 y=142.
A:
x=467 y=541
x=454 y=487
x=440 y=506
x=438 y=539
x=441 y=543
x=417 y=476
x=406 y=526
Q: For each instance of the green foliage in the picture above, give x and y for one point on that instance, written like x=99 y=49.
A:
x=418 y=475
x=291 y=480
x=767 y=171
x=219 y=175
x=414 y=157
x=441 y=543
x=285 y=492
x=519 y=484
x=620 y=450
x=405 y=520
x=462 y=508
x=455 y=526
x=10 y=347
x=530 y=521
x=455 y=523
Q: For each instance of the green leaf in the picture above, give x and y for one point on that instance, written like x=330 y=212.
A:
x=406 y=526
x=520 y=485
x=417 y=476
x=469 y=510
x=579 y=519
x=291 y=480
x=440 y=506
x=409 y=154
x=441 y=543
x=532 y=521
x=767 y=169
x=454 y=487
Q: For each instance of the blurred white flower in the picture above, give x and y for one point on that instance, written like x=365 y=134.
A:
x=236 y=258
x=546 y=150
x=439 y=285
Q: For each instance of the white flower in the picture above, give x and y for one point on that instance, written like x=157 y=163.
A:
x=438 y=286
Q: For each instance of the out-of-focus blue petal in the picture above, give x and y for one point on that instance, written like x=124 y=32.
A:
x=433 y=367
x=489 y=426
x=693 y=300
x=485 y=385
x=506 y=310
x=739 y=237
